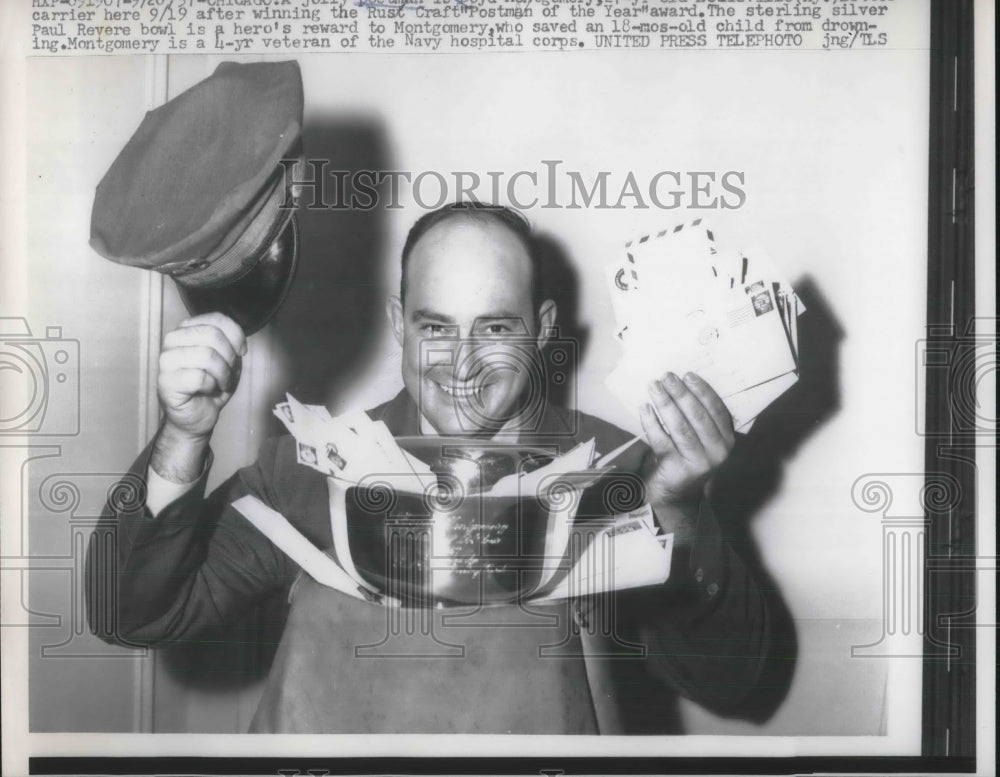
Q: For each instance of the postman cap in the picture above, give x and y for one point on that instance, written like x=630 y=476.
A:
x=198 y=192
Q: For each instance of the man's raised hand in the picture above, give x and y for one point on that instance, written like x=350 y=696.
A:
x=199 y=371
x=691 y=433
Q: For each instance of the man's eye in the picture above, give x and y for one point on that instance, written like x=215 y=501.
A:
x=500 y=327
x=496 y=330
x=436 y=330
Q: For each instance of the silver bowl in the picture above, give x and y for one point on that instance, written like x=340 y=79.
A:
x=452 y=542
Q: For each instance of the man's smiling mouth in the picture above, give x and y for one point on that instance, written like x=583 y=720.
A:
x=463 y=391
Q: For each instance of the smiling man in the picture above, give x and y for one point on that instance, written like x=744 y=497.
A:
x=469 y=275
x=472 y=319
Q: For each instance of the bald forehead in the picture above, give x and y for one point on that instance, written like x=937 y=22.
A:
x=471 y=252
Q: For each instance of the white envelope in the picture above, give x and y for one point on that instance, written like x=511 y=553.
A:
x=630 y=552
x=296 y=546
x=747 y=405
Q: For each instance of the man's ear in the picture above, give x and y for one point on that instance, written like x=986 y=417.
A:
x=394 y=310
x=546 y=321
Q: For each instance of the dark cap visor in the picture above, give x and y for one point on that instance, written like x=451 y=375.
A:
x=252 y=299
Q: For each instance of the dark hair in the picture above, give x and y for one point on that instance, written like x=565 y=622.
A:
x=513 y=220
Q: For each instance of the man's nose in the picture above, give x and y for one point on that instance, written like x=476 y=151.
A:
x=470 y=359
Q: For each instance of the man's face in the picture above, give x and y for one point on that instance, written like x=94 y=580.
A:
x=468 y=330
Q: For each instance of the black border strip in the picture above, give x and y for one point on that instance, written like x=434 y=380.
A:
x=949 y=683
x=551 y=767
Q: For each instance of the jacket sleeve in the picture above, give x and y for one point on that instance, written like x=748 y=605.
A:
x=196 y=565
x=704 y=634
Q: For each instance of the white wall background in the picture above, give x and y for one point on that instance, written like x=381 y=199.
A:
x=834 y=151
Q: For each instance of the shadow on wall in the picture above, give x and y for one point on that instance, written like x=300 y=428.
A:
x=325 y=329
x=560 y=281
x=753 y=475
x=331 y=318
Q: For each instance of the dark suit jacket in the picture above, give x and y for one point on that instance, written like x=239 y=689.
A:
x=199 y=565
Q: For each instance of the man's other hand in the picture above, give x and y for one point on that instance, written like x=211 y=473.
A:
x=199 y=371
x=691 y=433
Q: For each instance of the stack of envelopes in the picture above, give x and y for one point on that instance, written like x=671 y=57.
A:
x=683 y=304
x=352 y=448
